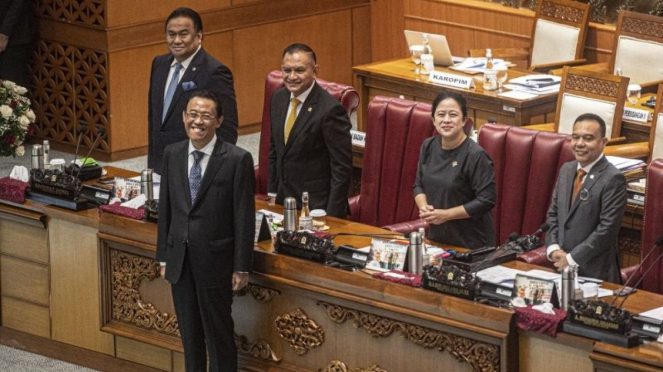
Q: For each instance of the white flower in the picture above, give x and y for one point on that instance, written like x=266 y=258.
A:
x=31 y=115
x=24 y=121
x=20 y=90
x=10 y=84
x=6 y=111
x=20 y=151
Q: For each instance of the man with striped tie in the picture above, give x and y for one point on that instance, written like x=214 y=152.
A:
x=185 y=69
x=205 y=233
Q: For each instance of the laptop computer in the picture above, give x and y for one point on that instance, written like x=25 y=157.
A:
x=441 y=53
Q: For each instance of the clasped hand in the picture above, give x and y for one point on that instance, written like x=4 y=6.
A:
x=559 y=259
x=433 y=216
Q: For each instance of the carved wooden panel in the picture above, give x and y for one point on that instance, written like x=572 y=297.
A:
x=481 y=356
x=86 y=12
x=592 y=85
x=70 y=89
x=559 y=11
x=599 y=11
x=642 y=27
x=300 y=332
x=260 y=349
x=338 y=366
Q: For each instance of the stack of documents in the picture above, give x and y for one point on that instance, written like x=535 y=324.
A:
x=633 y=169
x=476 y=65
x=535 y=84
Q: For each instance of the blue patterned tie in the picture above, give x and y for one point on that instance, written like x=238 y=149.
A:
x=195 y=175
x=171 y=89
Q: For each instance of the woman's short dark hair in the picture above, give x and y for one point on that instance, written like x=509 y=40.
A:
x=460 y=100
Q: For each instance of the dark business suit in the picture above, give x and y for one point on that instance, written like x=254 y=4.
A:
x=202 y=244
x=16 y=21
x=318 y=155
x=204 y=72
x=589 y=228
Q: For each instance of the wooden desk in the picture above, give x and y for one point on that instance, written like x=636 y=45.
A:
x=296 y=315
x=395 y=78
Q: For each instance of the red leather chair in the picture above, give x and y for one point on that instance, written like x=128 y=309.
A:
x=526 y=164
x=394 y=134
x=653 y=226
x=346 y=94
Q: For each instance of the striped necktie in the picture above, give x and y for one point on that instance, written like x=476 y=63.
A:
x=172 y=86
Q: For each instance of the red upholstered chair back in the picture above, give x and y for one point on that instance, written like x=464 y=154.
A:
x=526 y=163
x=346 y=94
x=653 y=226
x=395 y=131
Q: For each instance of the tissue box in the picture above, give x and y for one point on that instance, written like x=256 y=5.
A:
x=13 y=190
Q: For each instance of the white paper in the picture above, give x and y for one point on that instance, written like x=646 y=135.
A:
x=499 y=275
x=655 y=314
x=476 y=65
x=514 y=94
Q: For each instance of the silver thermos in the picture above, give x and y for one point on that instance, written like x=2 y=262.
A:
x=47 y=154
x=146 y=183
x=568 y=286
x=37 y=157
x=290 y=214
x=415 y=254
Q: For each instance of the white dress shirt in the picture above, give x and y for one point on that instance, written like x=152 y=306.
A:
x=185 y=64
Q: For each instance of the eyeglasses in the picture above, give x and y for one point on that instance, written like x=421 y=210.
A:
x=193 y=116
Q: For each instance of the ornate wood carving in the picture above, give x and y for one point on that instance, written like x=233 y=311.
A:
x=642 y=27
x=559 y=11
x=259 y=293
x=532 y=4
x=70 y=89
x=86 y=12
x=599 y=11
x=128 y=272
x=511 y=3
x=481 y=356
x=257 y=349
x=657 y=9
x=299 y=331
x=628 y=5
x=338 y=366
x=592 y=85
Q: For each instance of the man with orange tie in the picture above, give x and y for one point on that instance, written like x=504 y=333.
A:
x=587 y=206
x=310 y=147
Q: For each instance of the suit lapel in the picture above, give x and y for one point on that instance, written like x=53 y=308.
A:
x=304 y=115
x=182 y=171
x=279 y=127
x=589 y=182
x=213 y=166
x=162 y=70
x=189 y=75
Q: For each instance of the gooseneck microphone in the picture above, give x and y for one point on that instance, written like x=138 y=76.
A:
x=532 y=241
x=658 y=243
x=100 y=133
x=81 y=130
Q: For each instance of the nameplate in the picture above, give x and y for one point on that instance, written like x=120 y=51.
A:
x=633 y=114
x=444 y=78
x=358 y=138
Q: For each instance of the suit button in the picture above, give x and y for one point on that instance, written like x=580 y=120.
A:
x=185 y=241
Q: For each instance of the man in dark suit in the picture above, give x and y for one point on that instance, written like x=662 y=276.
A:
x=17 y=32
x=587 y=207
x=178 y=74
x=310 y=147
x=205 y=233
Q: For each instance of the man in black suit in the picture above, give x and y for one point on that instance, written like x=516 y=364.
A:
x=17 y=32
x=193 y=69
x=587 y=207
x=205 y=233
x=310 y=147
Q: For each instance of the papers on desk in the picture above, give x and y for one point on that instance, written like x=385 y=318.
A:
x=476 y=65
x=514 y=94
x=626 y=165
x=535 y=84
x=653 y=316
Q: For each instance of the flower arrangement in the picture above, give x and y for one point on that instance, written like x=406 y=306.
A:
x=16 y=118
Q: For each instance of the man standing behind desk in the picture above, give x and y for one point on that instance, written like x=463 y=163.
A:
x=205 y=233
x=587 y=207
x=310 y=148
x=179 y=73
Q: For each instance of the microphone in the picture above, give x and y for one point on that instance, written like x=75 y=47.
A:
x=100 y=133
x=389 y=236
x=530 y=242
x=657 y=243
x=467 y=256
x=82 y=129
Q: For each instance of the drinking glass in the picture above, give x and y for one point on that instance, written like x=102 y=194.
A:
x=633 y=93
x=416 y=51
x=501 y=76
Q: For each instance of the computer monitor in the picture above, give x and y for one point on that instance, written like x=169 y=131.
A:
x=438 y=43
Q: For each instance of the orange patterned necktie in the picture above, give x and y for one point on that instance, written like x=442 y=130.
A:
x=578 y=184
x=291 y=118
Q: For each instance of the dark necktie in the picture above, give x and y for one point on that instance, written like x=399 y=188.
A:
x=578 y=184
x=171 y=90
x=195 y=175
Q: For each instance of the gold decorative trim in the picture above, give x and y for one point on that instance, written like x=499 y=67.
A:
x=259 y=293
x=258 y=349
x=338 y=366
x=592 y=85
x=300 y=332
x=128 y=272
x=481 y=356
